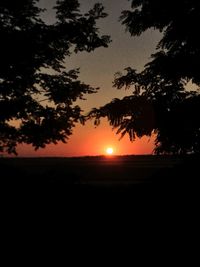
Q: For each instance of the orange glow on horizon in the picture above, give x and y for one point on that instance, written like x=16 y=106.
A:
x=90 y=141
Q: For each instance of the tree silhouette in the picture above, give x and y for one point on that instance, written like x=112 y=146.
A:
x=37 y=94
x=162 y=102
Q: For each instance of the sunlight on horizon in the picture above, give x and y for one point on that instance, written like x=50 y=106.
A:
x=109 y=151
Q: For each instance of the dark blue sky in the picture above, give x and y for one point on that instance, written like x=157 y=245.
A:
x=98 y=68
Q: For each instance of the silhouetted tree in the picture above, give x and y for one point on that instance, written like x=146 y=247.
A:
x=37 y=94
x=162 y=101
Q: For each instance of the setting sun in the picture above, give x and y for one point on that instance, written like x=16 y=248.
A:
x=109 y=150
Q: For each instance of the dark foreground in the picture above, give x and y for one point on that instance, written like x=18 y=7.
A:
x=101 y=185
x=110 y=173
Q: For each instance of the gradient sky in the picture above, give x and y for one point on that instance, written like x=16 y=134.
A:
x=97 y=69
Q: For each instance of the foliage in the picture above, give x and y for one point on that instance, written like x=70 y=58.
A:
x=162 y=102
x=37 y=94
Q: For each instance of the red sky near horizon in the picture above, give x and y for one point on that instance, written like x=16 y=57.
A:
x=97 y=69
x=90 y=141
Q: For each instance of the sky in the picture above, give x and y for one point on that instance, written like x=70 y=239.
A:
x=97 y=69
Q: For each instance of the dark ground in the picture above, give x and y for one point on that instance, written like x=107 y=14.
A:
x=112 y=193
x=101 y=174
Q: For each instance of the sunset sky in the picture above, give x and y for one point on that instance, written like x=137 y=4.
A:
x=97 y=69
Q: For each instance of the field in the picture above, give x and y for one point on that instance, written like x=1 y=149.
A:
x=100 y=171
x=97 y=184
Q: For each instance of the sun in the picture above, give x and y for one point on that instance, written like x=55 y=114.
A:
x=109 y=151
